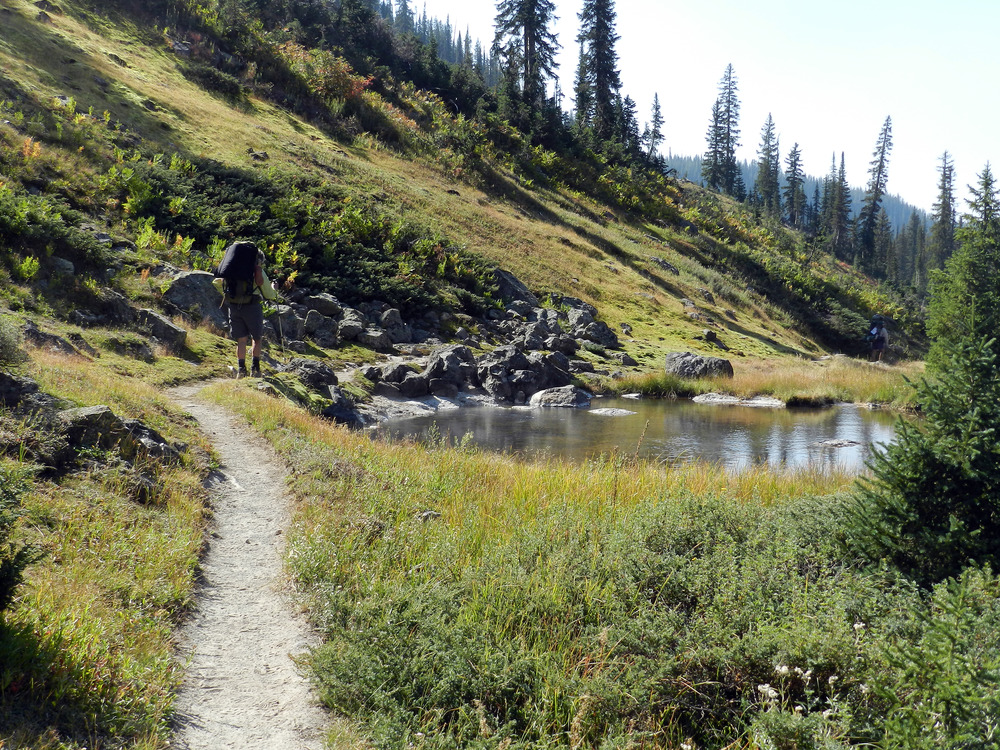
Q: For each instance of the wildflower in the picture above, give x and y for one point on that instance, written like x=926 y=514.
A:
x=799 y=709
x=833 y=678
x=768 y=692
x=781 y=670
x=859 y=626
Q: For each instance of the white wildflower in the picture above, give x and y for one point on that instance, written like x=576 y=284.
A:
x=781 y=670
x=833 y=679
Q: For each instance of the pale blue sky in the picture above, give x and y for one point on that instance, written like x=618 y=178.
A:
x=828 y=73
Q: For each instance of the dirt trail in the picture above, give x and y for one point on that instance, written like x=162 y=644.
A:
x=242 y=688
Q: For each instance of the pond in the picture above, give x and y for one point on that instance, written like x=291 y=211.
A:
x=735 y=437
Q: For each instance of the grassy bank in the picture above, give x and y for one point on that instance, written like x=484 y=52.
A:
x=798 y=382
x=471 y=601
x=86 y=651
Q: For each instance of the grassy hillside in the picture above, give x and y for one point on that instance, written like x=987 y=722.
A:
x=107 y=128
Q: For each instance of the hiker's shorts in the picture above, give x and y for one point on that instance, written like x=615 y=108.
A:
x=246 y=320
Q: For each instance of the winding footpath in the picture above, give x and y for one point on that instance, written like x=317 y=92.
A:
x=242 y=688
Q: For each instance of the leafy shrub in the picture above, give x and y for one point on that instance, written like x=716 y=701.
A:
x=216 y=81
x=11 y=341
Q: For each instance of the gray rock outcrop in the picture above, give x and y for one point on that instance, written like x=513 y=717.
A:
x=690 y=365
x=162 y=329
x=192 y=293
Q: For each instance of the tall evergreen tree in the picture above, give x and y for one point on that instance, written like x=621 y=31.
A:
x=582 y=91
x=527 y=45
x=836 y=211
x=723 y=171
x=598 y=39
x=404 y=17
x=965 y=297
x=768 y=184
x=868 y=217
x=942 y=240
x=795 y=194
x=654 y=136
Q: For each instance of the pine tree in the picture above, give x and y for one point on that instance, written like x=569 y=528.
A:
x=404 y=17
x=582 y=92
x=965 y=297
x=726 y=120
x=712 y=162
x=525 y=42
x=654 y=135
x=836 y=212
x=868 y=217
x=597 y=39
x=942 y=241
x=768 y=184
x=795 y=195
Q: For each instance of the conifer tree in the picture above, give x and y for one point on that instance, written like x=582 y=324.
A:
x=597 y=39
x=404 y=17
x=582 y=92
x=965 y=297
x=723 y=171
x=768 y=184
x=836 y=218
x=868 y=217
x=795 y=196
x=942 y=240
x=654 y=136
x=527 y=45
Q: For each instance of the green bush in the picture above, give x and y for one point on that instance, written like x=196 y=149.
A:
x=11 y=342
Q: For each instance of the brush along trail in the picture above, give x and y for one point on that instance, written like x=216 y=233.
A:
x=242 y=688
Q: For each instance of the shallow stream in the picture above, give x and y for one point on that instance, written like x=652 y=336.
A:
x=735 y=437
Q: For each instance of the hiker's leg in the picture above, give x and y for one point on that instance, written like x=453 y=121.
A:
x=241 y=348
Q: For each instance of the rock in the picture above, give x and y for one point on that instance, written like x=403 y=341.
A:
x=568 y=396
x=666 y=266
x=81 y=343
x=512 y=288
x=579 y=319
x=611 y=412
x=99 y=427
x=395 y=372
x=326 y=335
x=562 y=343
x=370 y=373
x=324 y=304
x=316 y=375
x=414 y=385
x=342 y=410
x=375 y=338
x=836 y=443
x=520 y=308
x=162 y=329
x=724 y=399
x=689 y=365
x=289 y=325
x=145 y=441
x=49 y=341
x=62 y=267
x=23 y=394
x=313 y=321
x=351 y=324
x=192 y=293
x=453 y=365
x=599 y=333
x=624 y=359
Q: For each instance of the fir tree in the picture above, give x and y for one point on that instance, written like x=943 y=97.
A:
x=654 y=136
x=582 y=92
x=836 y=212
x=795 y=196
x=768 y=184
x=404 y=17
x=942 y=241
x=712 y=162
x=597 y=39
x=868 y=217
x=525 y=42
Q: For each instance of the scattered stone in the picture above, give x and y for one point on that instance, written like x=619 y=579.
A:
x=315 y=375
x=611 y=412
x=723 y=399
x=568 y=396
x=689 y=365
x=324 y=304
x=162 y=329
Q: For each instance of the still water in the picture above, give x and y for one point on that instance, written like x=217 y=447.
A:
x=735 y=437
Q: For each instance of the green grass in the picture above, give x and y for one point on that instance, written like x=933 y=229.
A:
x=87 y=647
x=613 y=603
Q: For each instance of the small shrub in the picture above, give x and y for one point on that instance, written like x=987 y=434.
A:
x=11 y=342
x=27 y=269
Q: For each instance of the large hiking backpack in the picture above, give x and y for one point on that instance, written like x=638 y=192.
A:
x=237 y=270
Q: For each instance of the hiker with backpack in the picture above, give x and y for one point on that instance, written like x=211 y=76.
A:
x=241 y=279
x=878 y=334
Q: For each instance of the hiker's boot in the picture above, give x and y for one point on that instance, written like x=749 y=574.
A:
x=255 y=372
x=241 y=373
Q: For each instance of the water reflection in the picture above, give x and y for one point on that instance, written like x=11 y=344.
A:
x=735 y=437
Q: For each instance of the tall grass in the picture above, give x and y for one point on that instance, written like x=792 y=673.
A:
x=471 y=600
x=86 y=649
x=797 y=382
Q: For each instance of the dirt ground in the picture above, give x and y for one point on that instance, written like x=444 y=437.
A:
x=242 y=687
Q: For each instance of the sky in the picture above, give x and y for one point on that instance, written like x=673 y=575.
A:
x=829 y=73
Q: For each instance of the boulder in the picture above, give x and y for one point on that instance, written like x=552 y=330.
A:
x=162 y=329
x=316 y=375
x=689 y=365
x=289 y=325
x=351 y=324
x=453 y=364
x=599 y=333
x=324 y=304
x=568 y=396
x=512 y=288
x=342 y=409
x=99 y=427
x=414 y=385
x=313 y=321
x=326 y=335
x=395 y=372
x=375 y=338
x=49 y=341
x=23 y=394
x=562 y=343
x=192 y=293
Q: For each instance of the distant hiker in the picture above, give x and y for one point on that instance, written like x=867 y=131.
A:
x=878 y=334
x=241 y=279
